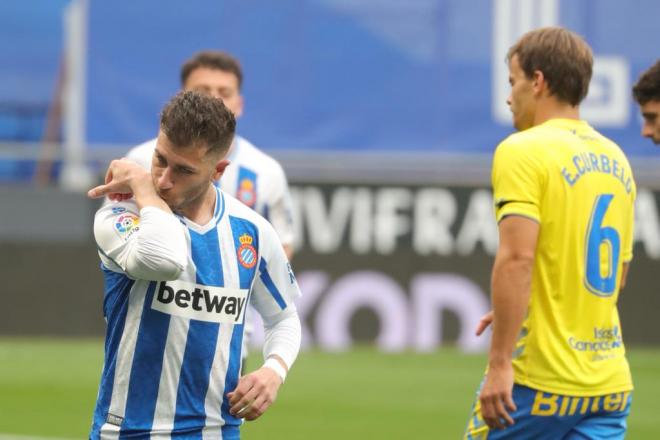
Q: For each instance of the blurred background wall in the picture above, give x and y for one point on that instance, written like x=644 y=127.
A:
x=383 y=113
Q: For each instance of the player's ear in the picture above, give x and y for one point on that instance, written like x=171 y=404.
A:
x=220 y=167
x=538 y=82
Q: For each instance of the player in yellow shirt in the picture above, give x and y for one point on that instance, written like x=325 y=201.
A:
x=564 y=197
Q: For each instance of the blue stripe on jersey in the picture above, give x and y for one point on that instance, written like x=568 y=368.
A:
x=239 y=227
x=270 y=285
x=230 y=432
x=146 y=368
x=115 y=306
x=201 y=343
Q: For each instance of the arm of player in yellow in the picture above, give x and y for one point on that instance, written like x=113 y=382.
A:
x=624 y=275
x=510 y=290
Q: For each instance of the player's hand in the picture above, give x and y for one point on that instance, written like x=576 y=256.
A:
x=496 y=396
x=254 y=394
x=484 y=322
x=122 y=174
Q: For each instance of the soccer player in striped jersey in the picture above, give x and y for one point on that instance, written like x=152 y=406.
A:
x=253 y=177
x=564 y=197
x=181 y=261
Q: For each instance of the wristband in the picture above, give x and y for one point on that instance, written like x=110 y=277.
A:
x=275 y=365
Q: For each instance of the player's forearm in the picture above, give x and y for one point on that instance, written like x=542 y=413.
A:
x=283 y=334
x=510 y=288
x=624 y=275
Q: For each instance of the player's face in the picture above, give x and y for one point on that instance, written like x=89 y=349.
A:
x=183 y=176
x=521 y=100
x=651 y=125
x=219 y=84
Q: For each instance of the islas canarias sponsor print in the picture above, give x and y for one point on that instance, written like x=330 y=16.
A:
x=204 y=303
x=601 y=345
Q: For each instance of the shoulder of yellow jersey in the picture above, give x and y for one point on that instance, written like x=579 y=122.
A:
x=526 y=143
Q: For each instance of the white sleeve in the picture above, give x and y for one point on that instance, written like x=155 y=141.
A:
x=282 y=336
x=280 y=212
x=149 y=245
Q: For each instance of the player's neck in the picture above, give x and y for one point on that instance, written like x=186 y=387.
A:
x=550 y=108
x=201 y=211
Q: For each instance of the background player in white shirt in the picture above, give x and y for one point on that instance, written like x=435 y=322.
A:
x=253 y=177
x=181 y=261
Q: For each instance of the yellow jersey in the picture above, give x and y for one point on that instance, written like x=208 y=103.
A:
x=579 y=187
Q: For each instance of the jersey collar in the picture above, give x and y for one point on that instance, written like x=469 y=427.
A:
x=218 y=212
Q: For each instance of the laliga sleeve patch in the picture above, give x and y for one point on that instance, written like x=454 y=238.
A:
x=126 y=225
x=247 y=254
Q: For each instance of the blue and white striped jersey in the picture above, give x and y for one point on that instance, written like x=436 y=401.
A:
x=173 y=348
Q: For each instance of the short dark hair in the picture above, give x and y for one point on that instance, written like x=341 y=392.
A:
x=194 y=119
x=564 y=58
x=647 y=87
x=212 y=59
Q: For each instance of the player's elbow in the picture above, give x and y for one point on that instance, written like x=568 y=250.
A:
x=156 y=268
x=516 y=260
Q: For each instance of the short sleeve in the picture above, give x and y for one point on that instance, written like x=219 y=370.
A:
x=518 y=179
x=275 y=288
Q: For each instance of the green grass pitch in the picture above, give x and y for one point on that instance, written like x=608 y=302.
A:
x=48 y=389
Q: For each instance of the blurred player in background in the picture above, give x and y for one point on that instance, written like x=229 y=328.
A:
x=253 y=177
x=181 y=261
x=564 y=197
x=647 y=94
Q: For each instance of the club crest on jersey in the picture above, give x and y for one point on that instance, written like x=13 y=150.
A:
x=247 y=192
x=247 y=254
x=127 y=224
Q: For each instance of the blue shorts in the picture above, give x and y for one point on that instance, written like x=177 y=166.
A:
x=542 y=415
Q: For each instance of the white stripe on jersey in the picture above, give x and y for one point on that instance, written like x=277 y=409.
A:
x=213 y=401
x=110 y=432
x=175 y=347
x=177 y=335
x=125 y=354
x=221 y=359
